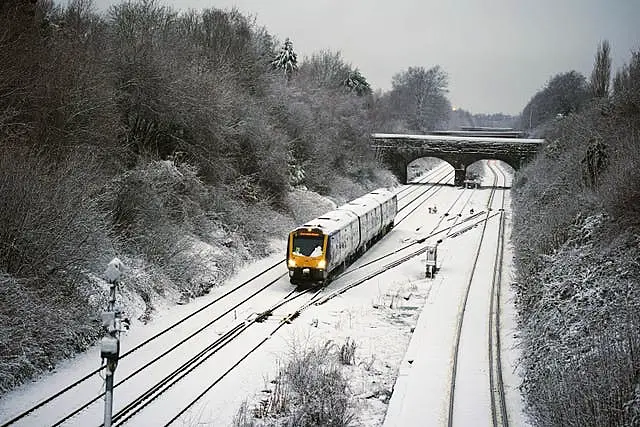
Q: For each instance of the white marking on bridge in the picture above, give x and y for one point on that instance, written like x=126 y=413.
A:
x=456 y=138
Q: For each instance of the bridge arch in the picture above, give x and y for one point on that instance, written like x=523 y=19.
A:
x=479 y=160
x=416 y=166
x=478 y=170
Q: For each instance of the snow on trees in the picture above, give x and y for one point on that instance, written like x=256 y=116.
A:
x=357 y=83
x=286 y=60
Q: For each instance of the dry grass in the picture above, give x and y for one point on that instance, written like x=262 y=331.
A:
x=348 y=352
x=309 y=389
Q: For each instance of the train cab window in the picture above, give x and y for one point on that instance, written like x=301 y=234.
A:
x=307 y=245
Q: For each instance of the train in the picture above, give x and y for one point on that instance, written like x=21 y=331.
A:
x=319 y=249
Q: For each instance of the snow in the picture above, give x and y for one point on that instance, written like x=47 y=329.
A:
x=401 y=322
x=458 y=138
x=316 y=252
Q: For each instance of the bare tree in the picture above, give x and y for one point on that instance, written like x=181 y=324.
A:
x=626 y=84
x=418 y=97
x=601 y=74
x=325 y=69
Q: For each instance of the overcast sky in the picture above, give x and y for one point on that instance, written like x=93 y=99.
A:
x=497 y=53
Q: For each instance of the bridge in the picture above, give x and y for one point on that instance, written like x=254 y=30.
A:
x=458 y=148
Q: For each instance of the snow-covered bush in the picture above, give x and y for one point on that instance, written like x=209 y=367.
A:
x=163 y=213
x=582 y=333
x=310 y=389
x=577 y=238
x=40 y=326
x=619 y=189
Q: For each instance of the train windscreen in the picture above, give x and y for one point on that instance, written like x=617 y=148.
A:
x=307 y=244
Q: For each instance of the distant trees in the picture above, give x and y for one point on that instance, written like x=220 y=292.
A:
x=324 y=69
x=325 y=109
x=459 y=118
x=565 y=93
x=495 y=120
x=601 y=74
x=418 y=98
x=626 y=85
x=327 y=69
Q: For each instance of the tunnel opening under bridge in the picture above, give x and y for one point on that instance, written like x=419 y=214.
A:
x=429 y=170
x=479 y=172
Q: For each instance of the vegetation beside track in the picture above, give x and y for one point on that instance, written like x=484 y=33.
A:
x=309 y=389
x=577 y=238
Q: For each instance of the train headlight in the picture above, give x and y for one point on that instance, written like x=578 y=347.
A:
x=292 y=263
x=322 y=264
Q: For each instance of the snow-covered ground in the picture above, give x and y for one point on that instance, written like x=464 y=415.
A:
x=379 y=315
x=421 y=394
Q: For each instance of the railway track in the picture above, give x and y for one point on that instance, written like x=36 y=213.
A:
x=417 y=195
x=143 y=401
x=441 y=230
x=499 y=414
x=440 y=175
x=472 y=380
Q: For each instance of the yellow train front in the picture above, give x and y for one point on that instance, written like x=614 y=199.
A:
x=306 y=256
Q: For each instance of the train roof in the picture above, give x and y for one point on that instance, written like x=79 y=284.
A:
x=383 y=193
x=364 y=204
x=331 y=221
x=361 y=205
x=349 y=212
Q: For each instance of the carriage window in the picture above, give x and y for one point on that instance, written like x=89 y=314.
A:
x=307 y=245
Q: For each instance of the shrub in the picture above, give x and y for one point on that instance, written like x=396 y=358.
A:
x=619 y=190
x=576 y=237
x=348 y=352
x=582 y=343
x=156 y=193
x=42 y=323
x=309 y=390
x=49 y=222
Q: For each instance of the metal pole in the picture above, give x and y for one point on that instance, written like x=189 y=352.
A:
x=108 y=389
x=112 y=359
x=108 y=396
x=110 y=345
x=112 y=298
